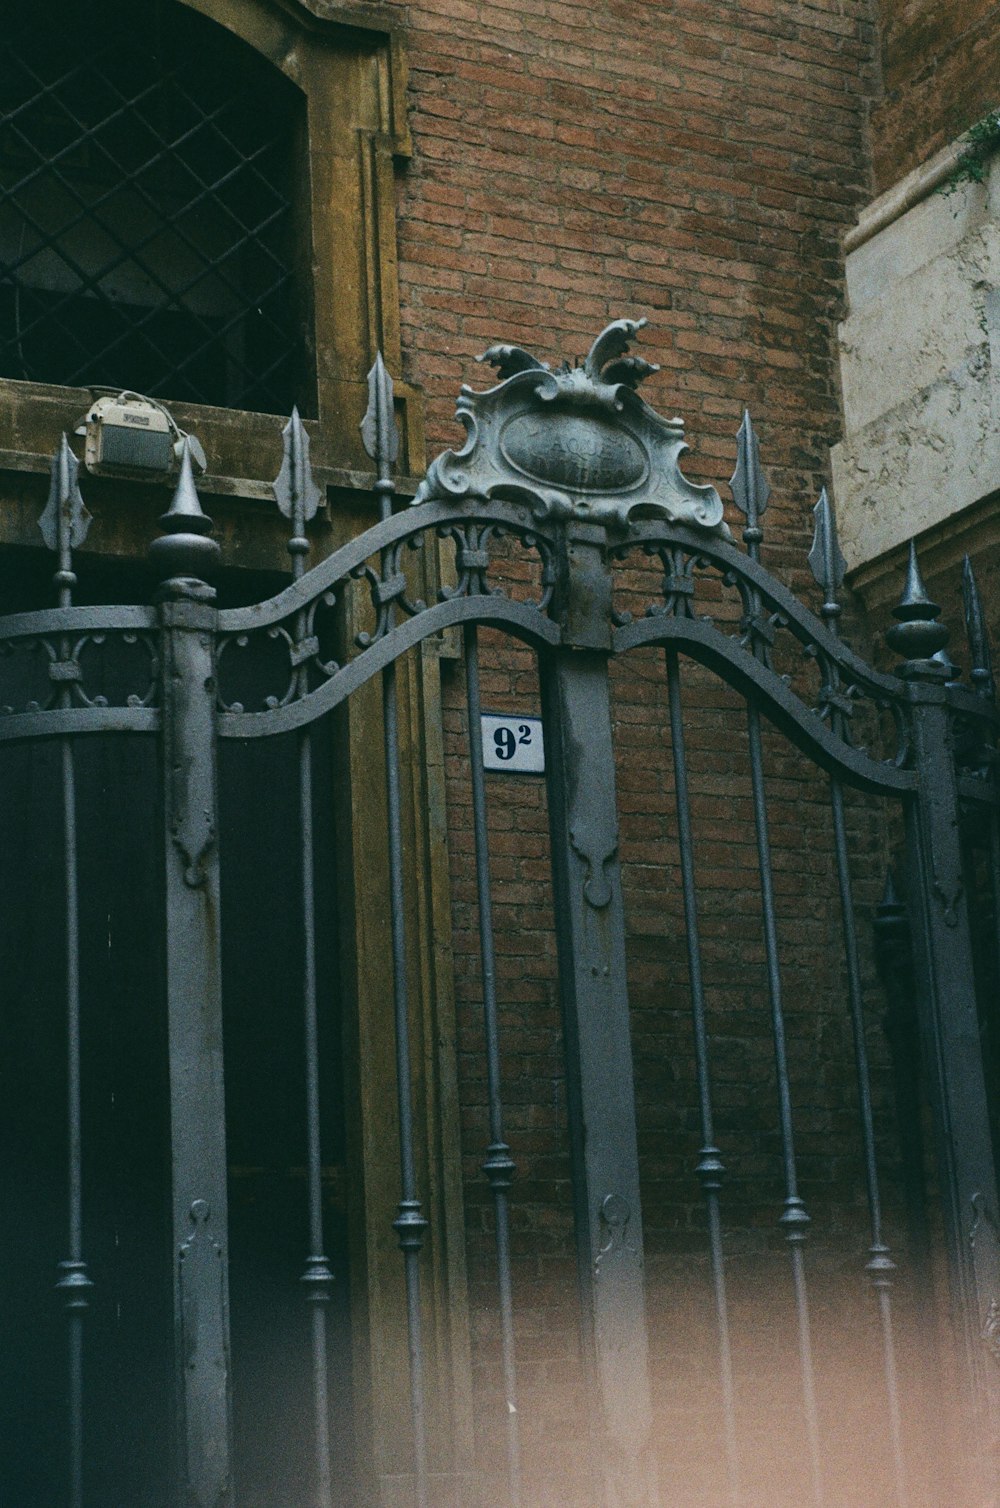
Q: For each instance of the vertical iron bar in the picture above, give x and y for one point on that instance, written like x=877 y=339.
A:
x=410 y=1223
x=995 y=881
x=498 y=1167
x=64 y=524
x=751 y=492
x=894 y=961
x=795 y=1219
x=880 y=1265
x=600 y=1088
x=949 y=1023
x=184 y=556
x=829 y=568
x=381 y=440
x=317 y=1277
x=74 y=1283
x=298 y=497
x=710 y=1167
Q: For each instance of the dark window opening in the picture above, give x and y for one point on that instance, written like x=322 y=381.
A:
x=150 y=208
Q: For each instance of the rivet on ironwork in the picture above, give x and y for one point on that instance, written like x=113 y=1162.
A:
x=65 y=520
x=318 y=1279
x=410 y=1225
x=880 y=1267
x=826 y=562
x=499 y=1166
x=711 y=1170
x=74 y=1285
x=794 y=1220
x=981 y=673
x=916 y=636
x=184 y=548
x=295 y=490
x=749 y=485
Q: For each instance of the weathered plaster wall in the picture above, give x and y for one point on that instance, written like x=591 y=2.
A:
x=920 y=349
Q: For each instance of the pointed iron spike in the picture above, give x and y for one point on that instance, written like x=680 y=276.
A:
x=914 y=603
x=917 y=636
x=65 y=509
x=184 y=550
x=976 y=631
x=379 y=433
x=749 y=485
x=185 y=511
x=825 y=560
x=294 y=486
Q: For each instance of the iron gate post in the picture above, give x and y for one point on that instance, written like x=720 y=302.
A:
x=590 y=930
x=949 y=1025
x=188 y=618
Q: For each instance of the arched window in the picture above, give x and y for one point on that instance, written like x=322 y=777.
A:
x=148 y=171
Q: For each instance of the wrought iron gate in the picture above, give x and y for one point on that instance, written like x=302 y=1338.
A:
x=573 y=467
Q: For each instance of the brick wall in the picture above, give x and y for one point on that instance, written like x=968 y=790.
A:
x=940 y=70
x=696 y=163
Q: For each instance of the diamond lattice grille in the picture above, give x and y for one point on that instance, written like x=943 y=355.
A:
x=147 y=164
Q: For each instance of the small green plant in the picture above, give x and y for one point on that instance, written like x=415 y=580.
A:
x=979 y=144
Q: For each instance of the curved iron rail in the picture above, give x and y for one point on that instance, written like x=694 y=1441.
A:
x=60 y=637
x=689 y=557
x=768 y=609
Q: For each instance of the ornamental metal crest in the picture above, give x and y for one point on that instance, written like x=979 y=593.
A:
x=574 y=442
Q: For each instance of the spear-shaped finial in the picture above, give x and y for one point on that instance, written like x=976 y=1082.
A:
x=916 y=636
x=981 y=674
x=749 y=485
x=825 y=560
x=65 y=521
x=295 y=490
x=379 y=433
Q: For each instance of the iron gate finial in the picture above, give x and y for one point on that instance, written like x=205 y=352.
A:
x=574 y=442
x=185 y=547
x=917 y=635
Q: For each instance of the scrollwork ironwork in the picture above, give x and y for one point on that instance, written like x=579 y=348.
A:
x=482 y=545
x=69 y=674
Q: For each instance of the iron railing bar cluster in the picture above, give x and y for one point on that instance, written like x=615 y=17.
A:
x=75 y=1266
x=710 y=1167
x=63 y=524
x=795 y=1218
x=381 y=439
x=751 y=491
x=298 y=497
x=829 y=569
x=317 y=1275
x=498 y=1167
x=880 y=1265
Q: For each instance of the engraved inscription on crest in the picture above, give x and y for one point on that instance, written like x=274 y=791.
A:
x=583 y=452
